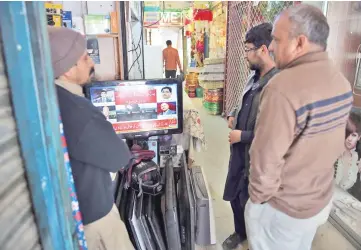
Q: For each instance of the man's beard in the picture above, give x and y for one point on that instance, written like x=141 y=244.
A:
x=91 y=75
x=253 y=66
x=90 y=78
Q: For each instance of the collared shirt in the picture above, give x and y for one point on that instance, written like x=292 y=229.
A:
x=73 y=88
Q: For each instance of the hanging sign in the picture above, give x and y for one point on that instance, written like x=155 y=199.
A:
x=93 y=49
x=54 y=14
x=171 y=18
x=167 y=18
x=67 y=20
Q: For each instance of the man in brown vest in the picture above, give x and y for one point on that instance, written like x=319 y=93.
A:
x=300 y=133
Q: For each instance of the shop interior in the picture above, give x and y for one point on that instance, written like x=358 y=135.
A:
x=182 y=206
x=198 y=30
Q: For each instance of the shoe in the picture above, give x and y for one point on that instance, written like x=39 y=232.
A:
x=232 y=242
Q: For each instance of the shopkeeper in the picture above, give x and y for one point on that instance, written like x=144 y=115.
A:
x=94 y=148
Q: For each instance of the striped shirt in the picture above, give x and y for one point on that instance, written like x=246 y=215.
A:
x=323 y=115
x=299 y=135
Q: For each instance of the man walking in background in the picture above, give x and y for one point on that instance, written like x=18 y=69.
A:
x=242 y=121
x=171 y=60
x=303 y=107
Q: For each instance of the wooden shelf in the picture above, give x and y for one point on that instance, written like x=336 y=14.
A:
x=113 y=35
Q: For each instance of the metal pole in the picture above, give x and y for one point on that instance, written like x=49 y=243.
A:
x=142 y=34
x=124 y=39
x=325 y=8
x=229 y=4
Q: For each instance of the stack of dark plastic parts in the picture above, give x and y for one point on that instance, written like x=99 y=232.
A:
x=147 y=201
x=135 y=192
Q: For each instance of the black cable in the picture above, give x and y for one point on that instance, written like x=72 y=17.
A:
x=136 y=52
x=139 y=69
x=135 y=48
x=141 y=39
x=134 y=62
x=138 y=46
x=124 y=39
x=138 y=56
x=147 y=26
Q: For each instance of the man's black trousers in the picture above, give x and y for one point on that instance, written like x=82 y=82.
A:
x=238 y=206
x=170 y=73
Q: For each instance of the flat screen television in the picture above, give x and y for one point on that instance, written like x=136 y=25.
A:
x=140 y=108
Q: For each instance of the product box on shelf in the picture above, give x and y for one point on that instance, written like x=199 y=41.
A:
x=213 y=95
x=213 y=108
x=191 y=84
x=213 y=101
x=211 y=84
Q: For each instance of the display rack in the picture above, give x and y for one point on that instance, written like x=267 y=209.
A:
x=218 y=31
x=112 y=29
x=211 y=79
x=192 y=83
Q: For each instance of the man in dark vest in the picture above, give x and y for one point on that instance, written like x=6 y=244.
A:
x=242 y=121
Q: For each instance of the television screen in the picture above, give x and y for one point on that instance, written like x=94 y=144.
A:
x=138 y=108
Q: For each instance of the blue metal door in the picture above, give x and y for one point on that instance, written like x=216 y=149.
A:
x=33 y=180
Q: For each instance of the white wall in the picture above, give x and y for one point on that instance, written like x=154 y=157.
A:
x=161 y=35
x=318 y=4
x=153 y=62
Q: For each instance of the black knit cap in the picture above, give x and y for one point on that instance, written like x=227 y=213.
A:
x=260 y=35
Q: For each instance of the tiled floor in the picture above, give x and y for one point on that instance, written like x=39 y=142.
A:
x=215 y=164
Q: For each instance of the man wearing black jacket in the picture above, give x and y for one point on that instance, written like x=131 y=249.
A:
x=242 y=121
x=94 y=148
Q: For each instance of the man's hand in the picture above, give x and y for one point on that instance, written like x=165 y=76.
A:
x=234 y=136
x=230 y=122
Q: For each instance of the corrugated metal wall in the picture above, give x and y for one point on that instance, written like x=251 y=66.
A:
x=17 y=220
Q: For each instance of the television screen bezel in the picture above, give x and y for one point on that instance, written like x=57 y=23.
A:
x=138 y=135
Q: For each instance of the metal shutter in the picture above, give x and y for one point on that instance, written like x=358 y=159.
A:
x=17 y=220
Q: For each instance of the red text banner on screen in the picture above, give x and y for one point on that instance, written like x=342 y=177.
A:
x=132 y=95
x=142 y=126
